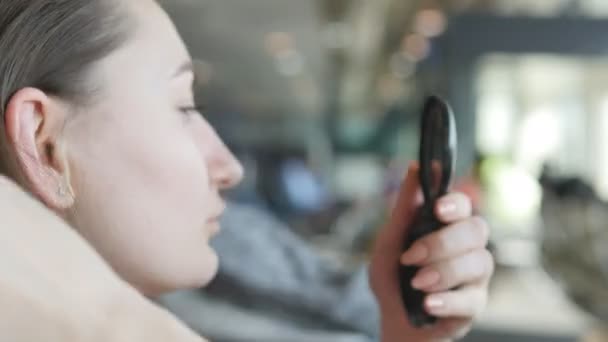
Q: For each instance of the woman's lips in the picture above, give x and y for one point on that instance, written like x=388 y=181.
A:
x=214 y=222
x=214 y=227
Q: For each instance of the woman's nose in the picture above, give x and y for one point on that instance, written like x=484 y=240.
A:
x=225 y=170
x=229 y=171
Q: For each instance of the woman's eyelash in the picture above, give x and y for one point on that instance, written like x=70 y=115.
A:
x=198 y=109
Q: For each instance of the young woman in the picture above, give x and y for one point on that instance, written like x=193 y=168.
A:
x=101 y=142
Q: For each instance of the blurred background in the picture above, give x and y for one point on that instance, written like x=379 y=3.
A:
x=320 y=99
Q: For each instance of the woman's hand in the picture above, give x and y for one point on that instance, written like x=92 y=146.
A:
x=453 y=257
x=54 y=287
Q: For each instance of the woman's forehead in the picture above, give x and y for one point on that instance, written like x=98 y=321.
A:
x=154 y=44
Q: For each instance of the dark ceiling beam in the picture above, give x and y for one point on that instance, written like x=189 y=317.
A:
x=471 y=36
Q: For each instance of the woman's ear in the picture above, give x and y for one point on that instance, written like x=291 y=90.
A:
x=34 y=123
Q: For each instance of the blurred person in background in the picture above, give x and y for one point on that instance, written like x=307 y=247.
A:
x=101 y=141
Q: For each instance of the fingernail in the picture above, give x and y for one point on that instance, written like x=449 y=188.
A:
x=434 y=303
x=447 y=209
x=426 y=279
x=414 y=255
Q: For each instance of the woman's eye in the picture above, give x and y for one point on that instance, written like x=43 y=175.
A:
x=192 y=110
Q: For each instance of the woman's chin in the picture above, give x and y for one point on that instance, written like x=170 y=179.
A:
x=210 y=267
x=193 y=276
x=201 y=272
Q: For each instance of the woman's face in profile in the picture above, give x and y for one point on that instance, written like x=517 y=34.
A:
x=147 y=169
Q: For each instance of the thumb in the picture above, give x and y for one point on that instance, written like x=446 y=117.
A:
x=387 y=249
x=410 y=198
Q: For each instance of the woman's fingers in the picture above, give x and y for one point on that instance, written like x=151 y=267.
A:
x=473 y=267
x=467 y=302
x=452 y=328
x=449 y=242
x=453 y=207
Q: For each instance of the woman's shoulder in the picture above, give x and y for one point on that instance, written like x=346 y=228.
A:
x=18 y=206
